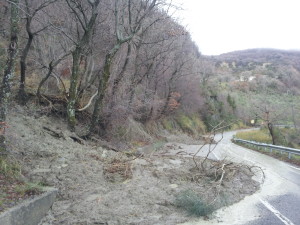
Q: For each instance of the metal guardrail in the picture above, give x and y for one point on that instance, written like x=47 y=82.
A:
x=290 y=151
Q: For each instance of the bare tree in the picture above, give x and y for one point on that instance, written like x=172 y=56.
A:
x=87 y=25
x=129 y=17
x=269 y=116
x=9 y=70
x=30 y=14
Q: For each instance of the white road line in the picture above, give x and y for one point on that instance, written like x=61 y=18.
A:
x=296 y=168
x=285 y=220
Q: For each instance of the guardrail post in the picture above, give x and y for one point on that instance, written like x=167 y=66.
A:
x=271 y=150
x=290 y=155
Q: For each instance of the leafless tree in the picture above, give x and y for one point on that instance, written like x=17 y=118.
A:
x=9 y=71
x=129 y=17
x=30 y=12
x=85 y=24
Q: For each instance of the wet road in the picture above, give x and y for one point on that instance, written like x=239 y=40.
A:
x=278 y=200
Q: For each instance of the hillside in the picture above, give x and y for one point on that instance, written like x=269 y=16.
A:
x=274 y=56
x=247 y=84
x=272 y=69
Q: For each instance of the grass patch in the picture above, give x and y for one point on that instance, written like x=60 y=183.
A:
x=191 y=124
x=169 y=124
x=13 y=189
x=238 y=125
x=261 y=135
x=9 y=168
x=192 y=203
x=287 y=137
x=29 y=188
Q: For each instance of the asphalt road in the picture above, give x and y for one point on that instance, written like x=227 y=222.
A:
x=276 y=203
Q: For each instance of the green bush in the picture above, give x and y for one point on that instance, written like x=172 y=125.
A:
x=192 y=203
x=290 y=137
x=238 y=125
x=191 y=124
x=199 y=124
x=168 y=124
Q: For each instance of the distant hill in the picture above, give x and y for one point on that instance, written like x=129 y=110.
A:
x=245 y=82
x=274 y=56
x=261 y=69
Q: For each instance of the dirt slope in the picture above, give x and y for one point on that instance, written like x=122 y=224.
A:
x=100 y=186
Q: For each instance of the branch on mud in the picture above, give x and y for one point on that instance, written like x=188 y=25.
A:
x=211 y=141
x=54 y=133
x=60 y=134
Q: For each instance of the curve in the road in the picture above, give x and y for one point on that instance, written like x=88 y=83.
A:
x=278 y=201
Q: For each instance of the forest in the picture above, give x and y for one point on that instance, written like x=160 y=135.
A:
x=106 y=66
x=108 y=61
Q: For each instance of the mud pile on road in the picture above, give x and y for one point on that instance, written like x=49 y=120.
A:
x=102 y=186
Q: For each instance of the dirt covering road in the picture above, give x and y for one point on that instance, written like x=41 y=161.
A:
x=101 y=186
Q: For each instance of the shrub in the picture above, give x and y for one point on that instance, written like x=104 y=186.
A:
x=191 y=124
x=199 y=124
x=168 y=124
x=192 y=203
x=238 y=125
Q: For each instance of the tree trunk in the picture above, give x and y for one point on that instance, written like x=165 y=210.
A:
x=73 y=89
x=293 y=116
x=271 y=131
x=22 y=96
x=103 y=82
x=121 y=74
x=167 y=103
x=50 y=70
x=9 y=71
x=80 y=47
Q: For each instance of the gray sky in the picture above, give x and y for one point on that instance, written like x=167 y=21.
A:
x=219 y=26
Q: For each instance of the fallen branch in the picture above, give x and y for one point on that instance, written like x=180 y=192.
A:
x=89 y=103
x=54 y=133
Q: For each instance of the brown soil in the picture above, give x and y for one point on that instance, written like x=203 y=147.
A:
x=101 y=186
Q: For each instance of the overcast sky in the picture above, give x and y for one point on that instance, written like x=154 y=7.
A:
x=219 y=26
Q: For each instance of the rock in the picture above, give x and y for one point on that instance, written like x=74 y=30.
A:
x=104 y=154
x=31 y=211
x=175 y=162
x=173 y=186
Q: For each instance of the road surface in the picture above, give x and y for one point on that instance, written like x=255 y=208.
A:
x=276 y=203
